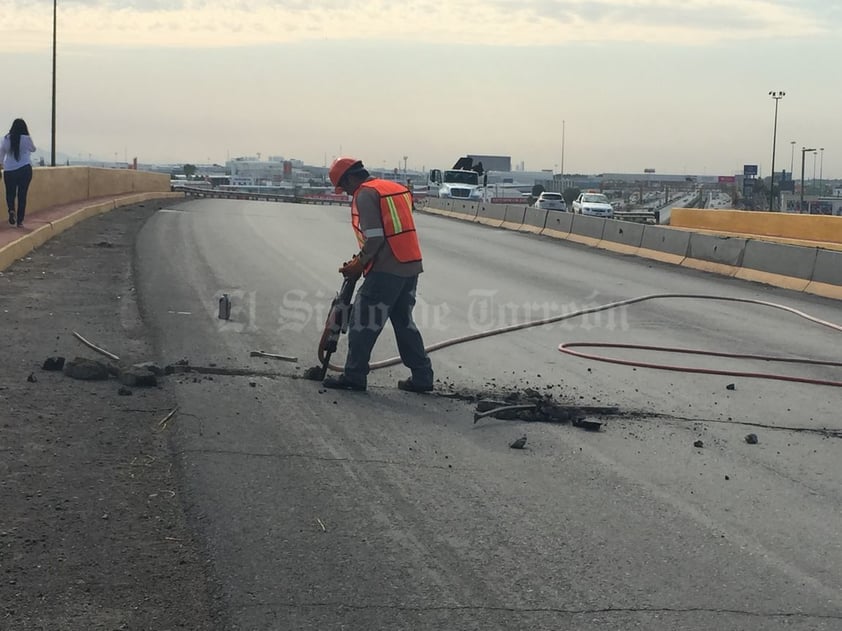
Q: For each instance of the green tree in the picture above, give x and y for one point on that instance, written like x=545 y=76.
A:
x=189 y=170
x=570 y=194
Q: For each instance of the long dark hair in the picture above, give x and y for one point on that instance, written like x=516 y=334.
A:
x=17 y=130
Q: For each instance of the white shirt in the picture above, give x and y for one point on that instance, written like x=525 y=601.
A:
x=8 y=156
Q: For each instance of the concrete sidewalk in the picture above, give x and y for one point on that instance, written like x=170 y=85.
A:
x=15 y=243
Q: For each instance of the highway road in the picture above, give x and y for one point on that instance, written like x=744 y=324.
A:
x=390 y=510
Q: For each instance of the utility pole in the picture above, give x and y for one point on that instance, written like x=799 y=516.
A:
x=792 y=157
x=821 y=171
x=53 y=126
x=563 y=124
x=804 y=151
x=777 y=96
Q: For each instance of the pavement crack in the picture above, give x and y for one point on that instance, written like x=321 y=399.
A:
x=302 y=456
x=553 y=610
x=828 y=432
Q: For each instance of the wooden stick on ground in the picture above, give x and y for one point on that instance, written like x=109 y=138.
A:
x=163 y=422
x=102 y=351
x=285 y=358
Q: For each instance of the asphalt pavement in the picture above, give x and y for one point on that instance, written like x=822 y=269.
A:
x=390 y=510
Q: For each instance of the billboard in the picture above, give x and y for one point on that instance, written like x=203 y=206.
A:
x=750 y=169
x=727 y=179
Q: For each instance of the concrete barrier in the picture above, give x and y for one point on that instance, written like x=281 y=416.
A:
x=713 y=253
x=463 y=210
x=491 y=214
x=664 y=244
x=54 y=186
x=514 y=216
x=558 y=225
x=534 y=220
x=624 y=237
x=778 y=264
x=787 y=225
x=436 y=206
x=827 y=275
x=587 y=230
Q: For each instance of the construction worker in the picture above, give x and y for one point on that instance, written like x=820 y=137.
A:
x=390 y=259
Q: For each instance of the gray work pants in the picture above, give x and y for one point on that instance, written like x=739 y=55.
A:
x=385 y=297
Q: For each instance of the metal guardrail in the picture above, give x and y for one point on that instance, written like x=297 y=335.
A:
x=643 y=216
x=215 y=193
x=329 y=200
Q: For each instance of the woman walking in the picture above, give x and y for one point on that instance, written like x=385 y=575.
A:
x=15 y=156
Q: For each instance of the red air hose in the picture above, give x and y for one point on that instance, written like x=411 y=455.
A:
x=566 y=348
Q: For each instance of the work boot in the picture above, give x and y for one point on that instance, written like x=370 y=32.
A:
x=342 y=383
x=410 y=386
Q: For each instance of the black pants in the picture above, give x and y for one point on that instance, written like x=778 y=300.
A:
x=17 y=186
x=385 y=297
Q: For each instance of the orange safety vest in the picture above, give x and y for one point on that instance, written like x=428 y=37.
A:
x=396 y=217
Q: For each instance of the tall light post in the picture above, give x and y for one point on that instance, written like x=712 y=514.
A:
x=792 y=158
x=53 y=126
x=777 y=96
x=804 y=151
x=821 y=171
x=815 y=153
x=562 y=155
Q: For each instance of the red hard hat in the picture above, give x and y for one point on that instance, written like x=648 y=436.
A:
x=339 y=168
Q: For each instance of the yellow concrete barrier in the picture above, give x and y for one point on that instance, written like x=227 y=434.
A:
x=821 y=228
x=54 y=186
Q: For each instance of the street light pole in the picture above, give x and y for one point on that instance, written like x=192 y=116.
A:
x=821 y=171
x=804 y=151
x=562 y=156
x=791 y=158
x=53 y=127
x=777 y=96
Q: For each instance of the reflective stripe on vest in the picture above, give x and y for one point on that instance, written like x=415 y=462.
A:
x=396 y=217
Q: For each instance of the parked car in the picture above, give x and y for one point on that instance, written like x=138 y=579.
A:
x=594 y=204
x=550 y=201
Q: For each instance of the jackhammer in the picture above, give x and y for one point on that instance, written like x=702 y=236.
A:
x=335 y=325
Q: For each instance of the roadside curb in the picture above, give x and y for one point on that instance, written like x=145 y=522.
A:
x=19 y=248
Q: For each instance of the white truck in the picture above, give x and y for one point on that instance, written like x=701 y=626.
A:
x=463 y=181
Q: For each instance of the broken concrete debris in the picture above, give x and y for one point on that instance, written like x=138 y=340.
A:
x=531 y=405
x=86 y=369
x=138 y=378
x=586 y=424
x=519 y=443
x=152 y=367
x=53 y=363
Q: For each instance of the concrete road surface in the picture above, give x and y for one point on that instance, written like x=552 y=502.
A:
x=389 y=510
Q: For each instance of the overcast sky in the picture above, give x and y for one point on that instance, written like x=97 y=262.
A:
x=681 y=86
